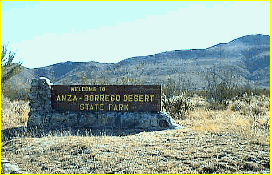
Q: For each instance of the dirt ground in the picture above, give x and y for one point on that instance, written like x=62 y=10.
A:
x=169 y=151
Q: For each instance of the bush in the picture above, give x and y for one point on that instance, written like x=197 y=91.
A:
x=13 y=113
x=251 y=105
x=14 y=93
x=177 y=106
x=220 y=96
x=8 y=68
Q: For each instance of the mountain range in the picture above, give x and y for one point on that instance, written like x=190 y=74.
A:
x=243 y=61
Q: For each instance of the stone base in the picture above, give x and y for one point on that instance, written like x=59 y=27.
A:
x=104 y=120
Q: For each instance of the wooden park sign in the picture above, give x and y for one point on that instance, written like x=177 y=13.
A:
x=106 y=97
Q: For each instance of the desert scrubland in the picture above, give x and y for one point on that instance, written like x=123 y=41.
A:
x=231 y=138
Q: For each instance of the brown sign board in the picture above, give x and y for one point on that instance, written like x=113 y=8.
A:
x=106 y=98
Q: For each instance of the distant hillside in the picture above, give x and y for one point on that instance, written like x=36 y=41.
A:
x=245 y=60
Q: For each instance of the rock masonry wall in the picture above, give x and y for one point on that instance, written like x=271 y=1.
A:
x=42 y=115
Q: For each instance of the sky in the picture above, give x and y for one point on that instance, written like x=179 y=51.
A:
x=49 y=32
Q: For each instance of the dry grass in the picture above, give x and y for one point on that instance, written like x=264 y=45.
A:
x=13 y=114
x=235 y=140
x=248 y=117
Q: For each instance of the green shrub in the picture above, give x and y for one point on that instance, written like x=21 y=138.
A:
x=220 y=96
x=15 y=93
x=177 y=106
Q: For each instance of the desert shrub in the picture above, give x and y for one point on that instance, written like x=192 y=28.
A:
x=173 y=88
x=251 y=105
x=177 y=106
x=169 y=88
x=13 y=113
x=236 y=107
x=15 y=93
x=222 y=94
x=216 y=106
x=198 y=101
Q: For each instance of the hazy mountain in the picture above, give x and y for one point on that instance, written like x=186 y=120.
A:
x=245 y=60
